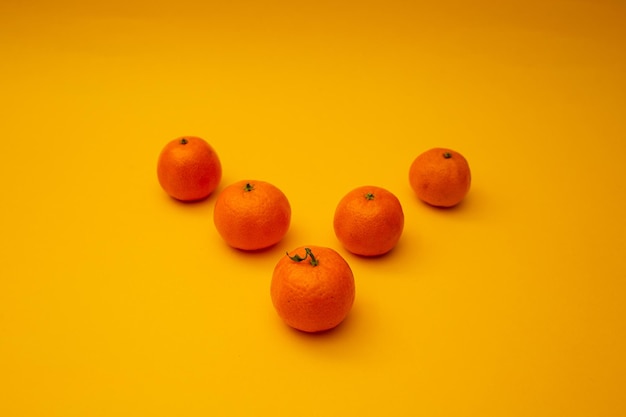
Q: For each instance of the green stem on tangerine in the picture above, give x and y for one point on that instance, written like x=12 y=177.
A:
x=183 y=141
x=314 y=260
x=308 y=252
x=248 y=187
x=369 y=196
x=447 y=155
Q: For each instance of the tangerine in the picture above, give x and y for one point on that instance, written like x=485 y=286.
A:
x=440 y=177
x=316 y=295
x=252 y=215
x=189 y=169
x=369 y=221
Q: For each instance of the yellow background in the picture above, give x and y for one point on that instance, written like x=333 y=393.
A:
x=116 y=300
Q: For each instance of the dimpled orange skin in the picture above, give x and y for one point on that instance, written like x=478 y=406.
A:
x=252 y=215
x=440 y=177
x=189 y=169
x=369 y=221
x=313 y=298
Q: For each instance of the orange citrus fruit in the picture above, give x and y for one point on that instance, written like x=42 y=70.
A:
x=252 y=215
x=369 y=221
x=189 y=169
x=312 y=288
x=440 y=177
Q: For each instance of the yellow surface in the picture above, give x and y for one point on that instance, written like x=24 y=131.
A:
x=116 y=300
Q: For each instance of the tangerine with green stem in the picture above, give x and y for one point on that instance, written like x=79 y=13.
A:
x=312 y=288
x=252 y=214
x=440 y=177
x=369 y=221
x=188 y=169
